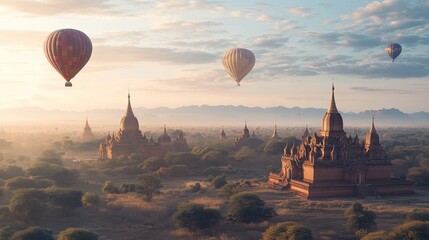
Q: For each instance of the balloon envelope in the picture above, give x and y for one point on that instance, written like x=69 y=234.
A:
x=68 y=50
x=238 y=62
x=393 y=50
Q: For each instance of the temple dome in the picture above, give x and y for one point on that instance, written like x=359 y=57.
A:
x=129 y=122
x=332 y=121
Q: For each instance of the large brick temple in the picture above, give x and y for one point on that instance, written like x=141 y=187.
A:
x=332 y=164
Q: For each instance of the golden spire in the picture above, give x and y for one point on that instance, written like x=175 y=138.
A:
x=372 y=130
x=275 y=135
x=333 y=107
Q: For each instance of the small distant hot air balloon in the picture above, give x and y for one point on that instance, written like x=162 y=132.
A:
x=68 y=50
x=393 y=50
x=238 y=62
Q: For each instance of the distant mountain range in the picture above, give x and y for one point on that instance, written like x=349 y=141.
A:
x=205 y=115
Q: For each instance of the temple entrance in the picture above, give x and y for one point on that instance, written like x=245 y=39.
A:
x=289 y=174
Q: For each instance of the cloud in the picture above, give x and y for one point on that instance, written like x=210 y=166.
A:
x=299 y=11
x=186 y=26
x=23 y=39
x=270 y=41
x=54 y=7
x=263 y=18
x=213 y=6
x=124 y=55
x=285 y=25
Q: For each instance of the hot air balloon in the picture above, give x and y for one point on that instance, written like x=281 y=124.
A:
x=68 y=50
x=238 y=62
x=393 y=50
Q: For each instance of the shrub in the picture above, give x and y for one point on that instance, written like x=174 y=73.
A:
x=109 y=187
x=357 y=218
x=52 y=157
x=414 y=230
x=288 y=230
x=194 y=216
x=247 y=207
x=274 y=146
x=149 y=184
x=66 y=199
x=183 y=158
x=153 y=164
x=128 y=170
x=245 y=153
x=174 y=171
x=4 y=214
x=77 y=234
x=33 y=233
x=379 y=235
x=219 y=181
x=199 y=151
x=196 y=187
x=90 y=199
x=24 y=182
x=214 y=158
x=418 y=215
x=127 y=187
x=27 y=205
x=62 y=176
x=229 y=189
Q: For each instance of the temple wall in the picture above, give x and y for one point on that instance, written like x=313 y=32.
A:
x=312 y=174
x=378 y=172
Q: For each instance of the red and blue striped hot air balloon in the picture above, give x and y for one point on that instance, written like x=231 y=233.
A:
x=68 y=50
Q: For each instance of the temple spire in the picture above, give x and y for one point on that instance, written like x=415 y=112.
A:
x=86 y=123
x=333 y=107
x=129 y=109
x=275 y=135
x=165 y=130
x=372 y=130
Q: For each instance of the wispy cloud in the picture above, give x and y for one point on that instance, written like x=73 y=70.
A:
x=299 y=11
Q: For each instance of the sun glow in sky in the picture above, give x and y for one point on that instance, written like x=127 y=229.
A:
x=168 y=53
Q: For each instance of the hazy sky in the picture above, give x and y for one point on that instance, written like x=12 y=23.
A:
x=168 y=53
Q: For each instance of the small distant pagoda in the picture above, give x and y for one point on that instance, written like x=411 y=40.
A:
x=222 y=135
x=87 y=133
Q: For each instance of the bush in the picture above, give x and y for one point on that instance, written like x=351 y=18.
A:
x=4 y=214
x=52 y=157
x=77 y=234
x=418 y=215
x=274 y=147
x=194 y=216
x=33 y=233
x=219 y=181
x=27 y=205
x=128 y=170
x=199 y=151
x=63 y=177
x=153 y=164
x=229 y=189
x=90 y=199
x=245 y=153
x=196 y=187
x=109 y=187
x=419 y=175
x=66 y=199
x=358 y=219
x=174 y=171
x=149 y=184
x=214 y=158
x=247 y=207
x=379 y=235
x=288 y=230
x=184 y=158
x=24 y=182
x=127 y=187
x=413 y=230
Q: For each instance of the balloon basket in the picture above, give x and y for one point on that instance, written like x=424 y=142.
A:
x=68 y=84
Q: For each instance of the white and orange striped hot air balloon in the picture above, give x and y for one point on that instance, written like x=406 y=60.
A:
x=238 y=62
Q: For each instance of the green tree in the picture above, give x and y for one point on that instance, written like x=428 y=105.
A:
x=66 y=199
x=27 y=205
x=274 y=147
x=219 y=181
x=153 y=164
x=77 y=234
x=201 y=150
x=247 y=207
x=194 y=216
x=413 y=230
x=358 y=219
x=245 y=153
x=149 y=184
x=33 y=233
x=215 y=158
x=90 y=199
x=25 y=182
x=182 y=158
x=288 y=230
x=51 y=156
x=63 y=177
